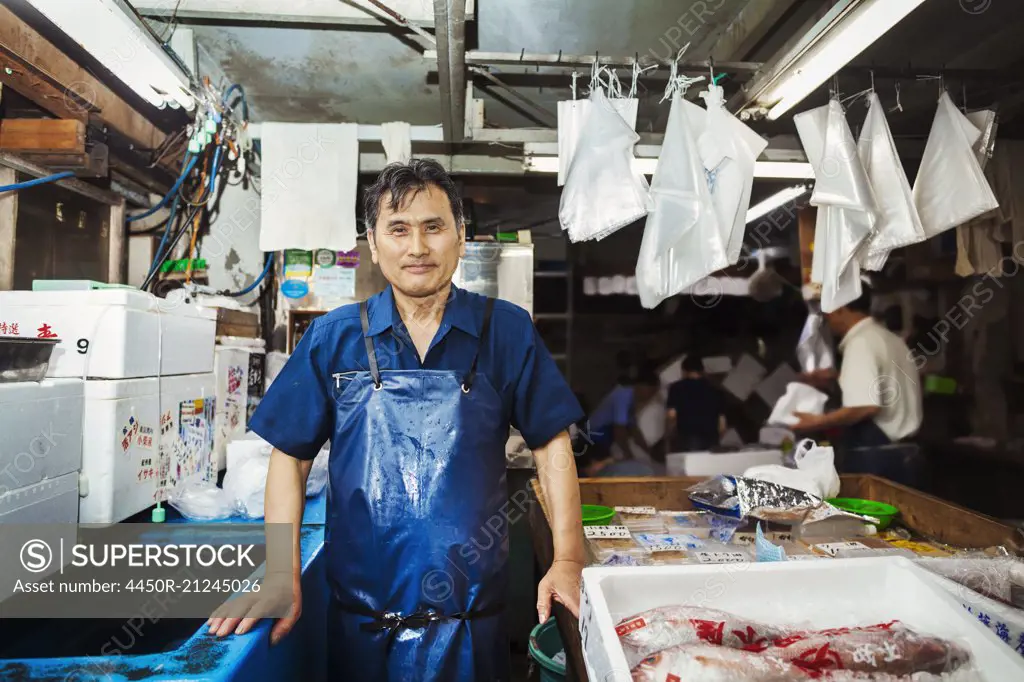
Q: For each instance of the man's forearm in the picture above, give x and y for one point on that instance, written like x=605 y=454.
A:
x=285 y=500
x=847 y=416
x=556 y=469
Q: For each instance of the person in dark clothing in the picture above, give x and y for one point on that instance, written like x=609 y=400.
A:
x=694 y=410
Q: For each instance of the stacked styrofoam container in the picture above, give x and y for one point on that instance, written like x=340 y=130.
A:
x=40 y=450
x=239 y=365
x=145 y=368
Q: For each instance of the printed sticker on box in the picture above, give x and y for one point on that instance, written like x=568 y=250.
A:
x=722 y=557
x=606 y=532
x=833 y=548
x=637 y=510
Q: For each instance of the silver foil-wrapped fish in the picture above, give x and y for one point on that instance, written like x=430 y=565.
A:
x=748 y=497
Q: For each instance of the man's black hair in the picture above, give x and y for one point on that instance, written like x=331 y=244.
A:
x=693 y=363
x=398 y=179
x=863 y=303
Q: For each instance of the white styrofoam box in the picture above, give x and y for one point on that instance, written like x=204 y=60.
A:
x=115 y=333
x=40 y=431
x=120 y=454
x=53 y=502
x=814 y=594
x=238 y=364
x=187 y=420
x=715 y=463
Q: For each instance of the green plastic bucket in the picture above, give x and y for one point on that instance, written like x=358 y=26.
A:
x=885 y=513
x=596 y=515
x=544 y=645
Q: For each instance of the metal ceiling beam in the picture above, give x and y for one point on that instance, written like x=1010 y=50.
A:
x=335 y=12
x=566 y=63
x=450 y=32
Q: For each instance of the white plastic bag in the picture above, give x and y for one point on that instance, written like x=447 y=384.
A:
x=683 y=240
x=246 y=483
x=572 y=116
x=201 y=500
x=729 y=151
x=846 y=206
x=815 y=473
x=951 y=188
x=602 y=192
x=899 y=223
x=798 y=398
x=813 y=350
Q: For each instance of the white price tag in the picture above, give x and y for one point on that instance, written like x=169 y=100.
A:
x=669 y=543
x=802 y=557
x=606 y=532
x=722 y=557
x=833 y=548
x=637 y=510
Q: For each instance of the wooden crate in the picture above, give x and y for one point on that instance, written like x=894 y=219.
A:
x=920 y=512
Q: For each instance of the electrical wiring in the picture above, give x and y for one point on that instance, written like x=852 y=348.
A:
x=174 y=190
x=37 y=181
x=161 y=258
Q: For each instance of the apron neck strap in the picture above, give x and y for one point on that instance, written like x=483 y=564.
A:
x=371 y=354
x=471 y=377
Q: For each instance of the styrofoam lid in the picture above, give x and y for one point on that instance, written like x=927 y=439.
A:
x=128 y=298
x=116 y=389
x=48 y=389
x=175 y=304
x=197 y=383
x=241 y=342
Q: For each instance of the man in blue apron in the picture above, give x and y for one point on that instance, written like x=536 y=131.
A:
x=416 y=389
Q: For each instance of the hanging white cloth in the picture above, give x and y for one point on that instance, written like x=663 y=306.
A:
x=899 y=224
x=397 y=140
x=729 y=151
x=308 y=197
x=951 y=188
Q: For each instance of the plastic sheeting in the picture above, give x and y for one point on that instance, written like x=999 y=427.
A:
x=602 y=192
x=728 y=151
x=899 y=224
x=572 y=117
x=951 y=188
x=847 y=213
x=683 y=239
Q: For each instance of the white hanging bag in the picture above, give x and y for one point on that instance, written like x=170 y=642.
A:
x=951 y=188
x=602 y=192
x=899 y=224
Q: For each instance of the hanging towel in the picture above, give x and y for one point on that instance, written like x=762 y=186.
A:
x=309 y=186
x=397 y=140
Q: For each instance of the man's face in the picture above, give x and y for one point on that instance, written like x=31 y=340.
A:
x=837 y=322
x=418 y=245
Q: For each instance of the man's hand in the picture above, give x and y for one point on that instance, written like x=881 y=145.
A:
x=808 y=422
x=819 y=378
x=562 y=583
x=255 y=606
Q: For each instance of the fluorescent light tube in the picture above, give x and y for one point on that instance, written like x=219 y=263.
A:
x=774 y=201
x=785 y=170
x=106 y=30
x=861 y=28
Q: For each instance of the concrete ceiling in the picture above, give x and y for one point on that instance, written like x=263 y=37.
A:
x=331 y=60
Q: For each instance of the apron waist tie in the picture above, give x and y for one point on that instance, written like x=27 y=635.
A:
x=394 y=622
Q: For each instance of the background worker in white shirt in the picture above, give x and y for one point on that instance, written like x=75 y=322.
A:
x=881 y=393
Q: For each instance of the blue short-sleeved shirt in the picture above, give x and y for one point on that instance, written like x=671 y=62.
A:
x=298 y=412
x=615 y=410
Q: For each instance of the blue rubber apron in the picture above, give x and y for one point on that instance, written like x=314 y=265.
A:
x=417 y=571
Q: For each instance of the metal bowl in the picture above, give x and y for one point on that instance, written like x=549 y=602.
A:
x=24 y=359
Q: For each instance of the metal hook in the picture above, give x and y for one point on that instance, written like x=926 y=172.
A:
x=964 y=87
x=521 y=53
x=872 y=72
x=711 y=69
x=559 y=57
